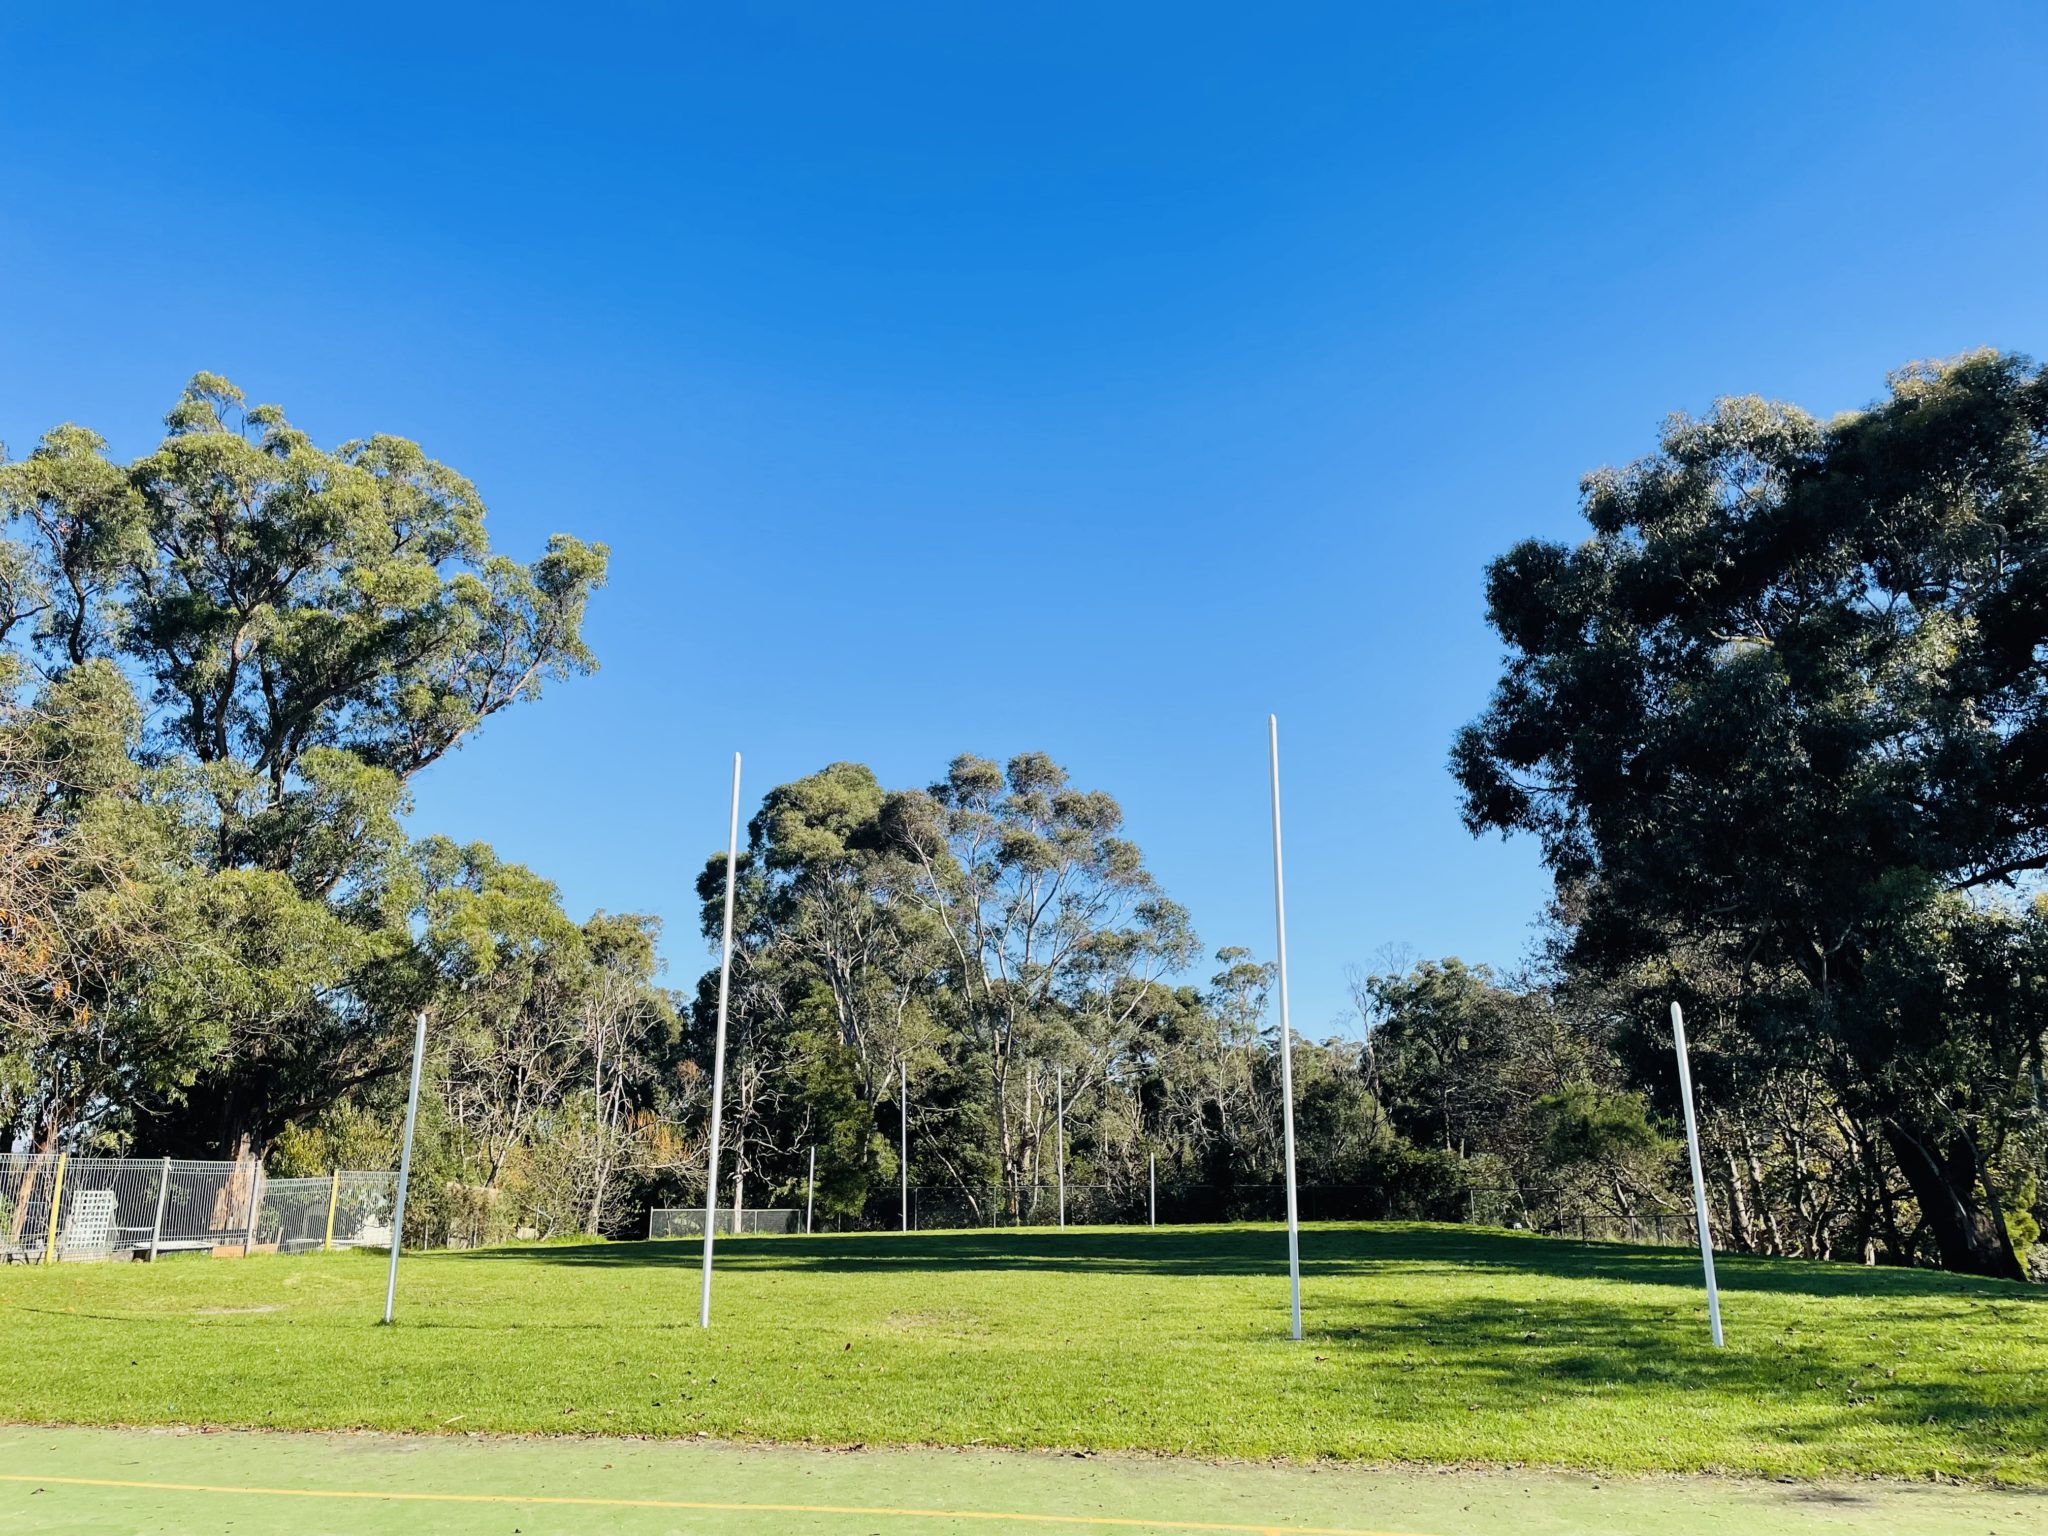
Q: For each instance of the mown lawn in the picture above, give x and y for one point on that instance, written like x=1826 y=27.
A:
x=1438 y=1344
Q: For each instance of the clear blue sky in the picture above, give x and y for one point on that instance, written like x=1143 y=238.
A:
x=959 y=378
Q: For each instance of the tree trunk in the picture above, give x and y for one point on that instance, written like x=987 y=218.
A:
x=18 y=1222
x=1948 y=1185
x=1738 y=1208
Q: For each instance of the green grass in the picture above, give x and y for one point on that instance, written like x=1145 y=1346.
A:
x=1435 y=1344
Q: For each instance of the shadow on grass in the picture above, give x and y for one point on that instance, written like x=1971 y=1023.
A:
x=1327 y=1251
x=1614 y=1359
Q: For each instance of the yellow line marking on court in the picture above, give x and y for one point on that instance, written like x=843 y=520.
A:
x=392 y=1495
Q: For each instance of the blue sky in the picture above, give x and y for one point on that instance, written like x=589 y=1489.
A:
x=948 y=378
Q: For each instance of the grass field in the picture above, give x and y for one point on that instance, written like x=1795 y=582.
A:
x=1426 y=1344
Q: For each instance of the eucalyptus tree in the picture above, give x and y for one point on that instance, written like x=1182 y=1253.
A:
x=94 y=912
x=1787 y=700
x=1226 y=1117
x=551 y=1042
x=1446 y=1053
x=630 y=1033
x=1047 y=917
x=309 y=629
x=835 y=897
x=834 y=974
x=510 y=1041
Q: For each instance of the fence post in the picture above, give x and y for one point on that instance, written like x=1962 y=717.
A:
x=255 y=1204
x=56 y=1203
x=333 y=1197
x=810 y=1191
x=163 y=1195
x=1152 y=1192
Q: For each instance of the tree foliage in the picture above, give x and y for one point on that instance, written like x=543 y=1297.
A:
x=998 y=939
x=1783 y=716
x=224 y=662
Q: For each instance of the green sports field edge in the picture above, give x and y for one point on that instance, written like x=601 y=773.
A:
x=1425 y=1344
x=176 y=1483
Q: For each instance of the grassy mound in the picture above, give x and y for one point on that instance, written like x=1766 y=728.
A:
x=1439 y=1344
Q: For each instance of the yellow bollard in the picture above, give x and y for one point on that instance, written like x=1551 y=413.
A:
x=56 y=1204
x=333 y=1194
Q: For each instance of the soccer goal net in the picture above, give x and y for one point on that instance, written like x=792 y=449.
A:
x=678 y=1221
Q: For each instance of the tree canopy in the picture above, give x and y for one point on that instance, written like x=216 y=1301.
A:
x=1784 y=713
x=224 y=662
x=1779 y=725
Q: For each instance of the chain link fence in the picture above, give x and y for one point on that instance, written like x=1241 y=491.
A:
x=938 y=1207
x=688 y=1221
x=943 y=1207
x=1557 y=1212
x=57 y=1207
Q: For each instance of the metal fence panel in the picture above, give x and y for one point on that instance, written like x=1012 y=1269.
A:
x=210 y=1205
x=109 y=1206
x=688 y=1221
x=943 y=1207
x=292 y=1215
x=362 y=1212
x=26 y=1184
x=76 y=1208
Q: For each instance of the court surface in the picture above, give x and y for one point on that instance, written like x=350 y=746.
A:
x=185 y=1483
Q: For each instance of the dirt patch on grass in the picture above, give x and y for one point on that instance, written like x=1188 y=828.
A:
x=951 y=1323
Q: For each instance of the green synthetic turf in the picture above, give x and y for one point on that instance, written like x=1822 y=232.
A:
x=1437 y=1344
x=82 y=1480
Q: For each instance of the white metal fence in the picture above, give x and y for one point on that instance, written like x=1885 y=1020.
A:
x=688 y=1221
x=61 y=1207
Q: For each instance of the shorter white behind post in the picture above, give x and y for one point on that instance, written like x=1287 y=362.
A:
x=1152 y=1191
x=810 y=1191
x=1059 y=1078
x=1699 y=1181
x=412 y=1110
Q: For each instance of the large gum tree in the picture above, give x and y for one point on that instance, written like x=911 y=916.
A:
x=1789 y=701
x=306 y=630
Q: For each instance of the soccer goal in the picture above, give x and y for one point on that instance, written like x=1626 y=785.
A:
x=681 y=1221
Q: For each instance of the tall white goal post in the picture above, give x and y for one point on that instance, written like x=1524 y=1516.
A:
x=732 y=871
x=710 y=1218
x=1286 y=1042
